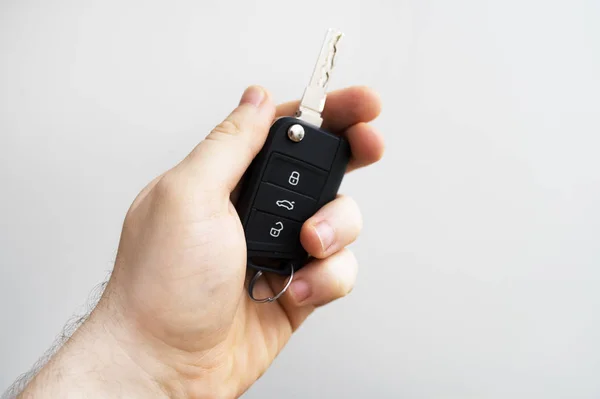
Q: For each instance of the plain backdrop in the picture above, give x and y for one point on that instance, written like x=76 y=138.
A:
x=480 y=255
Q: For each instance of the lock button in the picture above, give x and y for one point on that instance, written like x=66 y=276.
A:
x=294 y=178
x=266 y=232
x=295 y=175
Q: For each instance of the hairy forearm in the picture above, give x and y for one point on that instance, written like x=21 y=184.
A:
x=93 y=364
x=103 y=355
x=95 y=356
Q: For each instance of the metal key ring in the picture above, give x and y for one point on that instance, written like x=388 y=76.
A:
x=258 y=274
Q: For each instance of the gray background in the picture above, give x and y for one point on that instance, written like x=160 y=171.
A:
x=481 y=249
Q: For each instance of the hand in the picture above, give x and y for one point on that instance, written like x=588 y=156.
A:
x=175 y=312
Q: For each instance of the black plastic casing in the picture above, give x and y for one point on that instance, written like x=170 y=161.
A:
x=324 y=155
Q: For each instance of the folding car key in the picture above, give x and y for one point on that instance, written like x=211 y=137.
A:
x=299 y=169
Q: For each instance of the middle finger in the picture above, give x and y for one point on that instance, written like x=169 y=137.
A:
x=334 y=226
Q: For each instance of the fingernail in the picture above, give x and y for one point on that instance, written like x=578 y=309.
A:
x=325 y=233
x=300 y=290
x=253 y=95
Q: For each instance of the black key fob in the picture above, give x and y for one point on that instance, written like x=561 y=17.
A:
x=299 y=169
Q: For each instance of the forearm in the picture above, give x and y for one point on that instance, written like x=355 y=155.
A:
x=94 y=363
x=106 y=354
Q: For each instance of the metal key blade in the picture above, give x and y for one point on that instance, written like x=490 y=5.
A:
x=313 y=99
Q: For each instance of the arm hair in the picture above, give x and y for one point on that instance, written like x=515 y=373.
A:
x=71 y=326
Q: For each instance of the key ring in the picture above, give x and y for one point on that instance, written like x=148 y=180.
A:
x=258 y=274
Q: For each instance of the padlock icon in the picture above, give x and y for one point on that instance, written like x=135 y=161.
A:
x=294 y=178
x=276 y=230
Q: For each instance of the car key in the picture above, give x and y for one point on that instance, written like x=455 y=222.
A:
x=298 y=170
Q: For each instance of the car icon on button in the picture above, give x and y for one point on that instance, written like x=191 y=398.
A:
x=289 y=205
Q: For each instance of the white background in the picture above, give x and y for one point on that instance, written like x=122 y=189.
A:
x=480 y=256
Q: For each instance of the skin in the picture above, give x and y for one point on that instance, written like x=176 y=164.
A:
x=175 y=320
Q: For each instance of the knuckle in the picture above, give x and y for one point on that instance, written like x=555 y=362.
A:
x=229 y=127
x=346 y=277
x=353 y=205
x=347 y=213
x=352 y=265
x=174 y=194
x=343 y=288
x=231 y=131
x=167 y=189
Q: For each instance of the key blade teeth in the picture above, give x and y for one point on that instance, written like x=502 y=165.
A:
x=313 y=100
x=329 y=50
x=327 y=57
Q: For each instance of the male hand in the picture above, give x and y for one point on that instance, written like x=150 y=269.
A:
x=175 y=319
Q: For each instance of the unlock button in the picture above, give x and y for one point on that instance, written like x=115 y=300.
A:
x=276 y=230
x=266 y=232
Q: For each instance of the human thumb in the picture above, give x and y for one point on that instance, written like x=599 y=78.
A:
x=220 y=160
